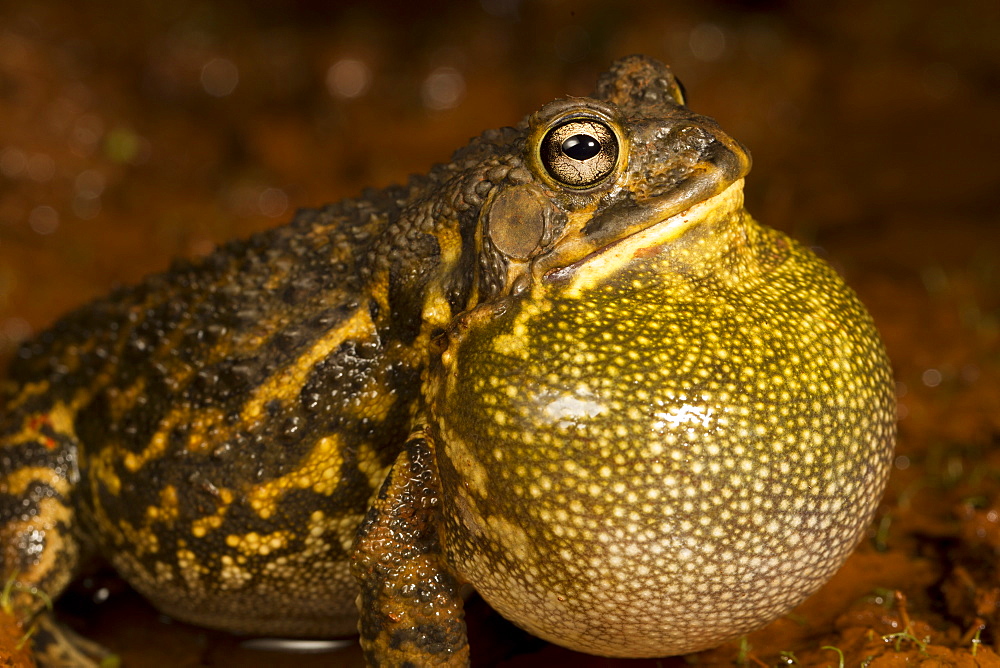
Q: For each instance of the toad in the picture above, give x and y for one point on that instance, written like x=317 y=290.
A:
x=566 y=367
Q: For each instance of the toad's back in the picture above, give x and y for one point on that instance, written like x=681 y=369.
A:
x=227 y=422
x=219 y=431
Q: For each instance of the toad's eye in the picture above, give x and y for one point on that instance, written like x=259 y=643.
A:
x=580 y=152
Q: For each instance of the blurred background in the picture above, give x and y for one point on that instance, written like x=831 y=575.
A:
x=135 y=131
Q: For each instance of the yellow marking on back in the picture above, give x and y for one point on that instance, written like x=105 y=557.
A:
x=436 y=308
x=286 y=383
x=449 y=242
x=102 y=469
x=121 y=400
x=283 y=385
x=59 y=418
x=203 y=525
x=201 y=424
x=320 y=471
x=255 y=544
x=28 y=391
x=202 y=428
x=168 y=510
x=157 y=447
x=16 y=483
x=142 y=541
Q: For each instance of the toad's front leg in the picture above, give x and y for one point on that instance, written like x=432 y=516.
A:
x=410 y=607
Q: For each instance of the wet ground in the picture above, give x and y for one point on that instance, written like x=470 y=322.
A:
x=146 y=130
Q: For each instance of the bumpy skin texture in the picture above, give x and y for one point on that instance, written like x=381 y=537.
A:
x=218 y=431
x=221 y=431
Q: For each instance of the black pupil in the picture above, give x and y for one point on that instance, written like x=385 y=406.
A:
x=581 y=147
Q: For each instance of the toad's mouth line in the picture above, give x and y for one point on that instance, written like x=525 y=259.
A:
x=645 y=242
